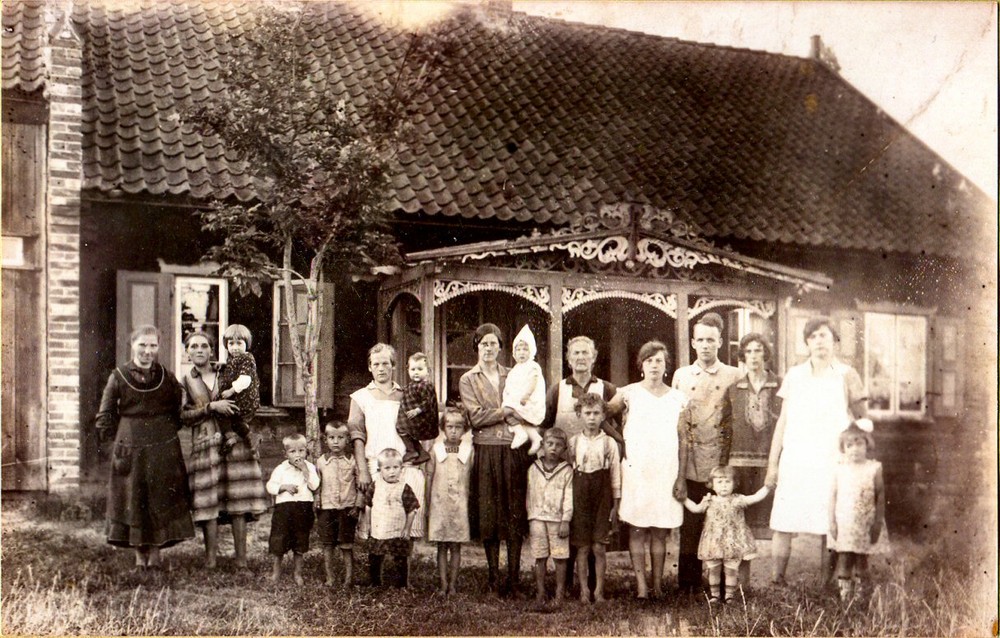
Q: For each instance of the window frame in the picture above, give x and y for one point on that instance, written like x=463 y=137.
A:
x=872 y=318
x=180 y=365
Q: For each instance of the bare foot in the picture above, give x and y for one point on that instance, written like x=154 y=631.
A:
x=299 y=580
x=641 y=591
x=585 y=599
x=329 y=581
x=599 y=598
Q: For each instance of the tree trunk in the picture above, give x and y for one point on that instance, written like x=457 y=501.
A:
x=312 y=414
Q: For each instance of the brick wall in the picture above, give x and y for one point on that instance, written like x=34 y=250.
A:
x=63 y=260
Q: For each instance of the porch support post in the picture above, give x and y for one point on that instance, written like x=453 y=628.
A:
x=618 y=356
x=427 y=330
x=382 y=329
x=555 y=332
x=781 y=339
x=683 y=349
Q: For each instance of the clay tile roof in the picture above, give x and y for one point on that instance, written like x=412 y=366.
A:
x=24 y=45
x=536 y=121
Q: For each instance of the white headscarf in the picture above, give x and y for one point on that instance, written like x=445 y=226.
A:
x=526 y=336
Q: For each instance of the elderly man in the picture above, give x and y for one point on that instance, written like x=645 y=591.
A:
x=560 y=404
x=705 y=382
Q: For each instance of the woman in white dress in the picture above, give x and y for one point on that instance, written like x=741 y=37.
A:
x=819 y=399
x=653 y=412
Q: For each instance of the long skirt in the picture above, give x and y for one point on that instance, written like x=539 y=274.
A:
x=224 y=487
x=498 y=492
x=148 y=497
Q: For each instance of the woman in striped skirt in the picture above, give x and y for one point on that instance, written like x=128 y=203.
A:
x=224 y=489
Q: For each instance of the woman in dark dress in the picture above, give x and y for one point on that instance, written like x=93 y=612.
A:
x=499 y=485
x=750 y=411
x=148 y=497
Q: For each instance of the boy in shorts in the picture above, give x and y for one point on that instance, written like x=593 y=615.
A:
x=550 y=509
x=338 y=501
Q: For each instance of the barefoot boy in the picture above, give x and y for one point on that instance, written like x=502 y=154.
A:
x=292 y=484
x=550 y=509
x=338 y=501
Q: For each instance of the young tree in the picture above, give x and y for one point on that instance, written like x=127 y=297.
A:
x=320 y=163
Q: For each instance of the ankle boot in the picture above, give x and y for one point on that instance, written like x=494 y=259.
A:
x=492 y=564
x=401 y=571
x=513 y=566
x=375 y=570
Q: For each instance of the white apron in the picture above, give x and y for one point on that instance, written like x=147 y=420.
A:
x=566 y=417
x=380 y=431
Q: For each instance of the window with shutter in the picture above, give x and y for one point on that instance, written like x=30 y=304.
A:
x=947 y=370
x=895 y=364
x=288 y=389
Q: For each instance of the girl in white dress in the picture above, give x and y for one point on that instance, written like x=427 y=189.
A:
x=653 y=413
x=449 y=472
x=857 y=508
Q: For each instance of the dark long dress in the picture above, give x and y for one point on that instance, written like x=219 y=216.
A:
x=148 y=497
x=753 y=415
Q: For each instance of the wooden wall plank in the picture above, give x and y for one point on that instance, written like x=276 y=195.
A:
x=9 y=396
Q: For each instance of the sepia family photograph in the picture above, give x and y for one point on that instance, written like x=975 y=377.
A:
x=493 y=317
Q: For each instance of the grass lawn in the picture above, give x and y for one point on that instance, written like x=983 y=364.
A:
x=59 y=577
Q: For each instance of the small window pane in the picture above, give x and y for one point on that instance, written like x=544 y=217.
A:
x=911 y=355
x=200 y=305
x=879 y=366
x=13 y=251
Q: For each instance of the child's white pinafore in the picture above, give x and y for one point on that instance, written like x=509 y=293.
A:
x=380 y=431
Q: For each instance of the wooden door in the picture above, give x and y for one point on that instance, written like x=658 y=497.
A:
x=23 y=321
x=144 y=298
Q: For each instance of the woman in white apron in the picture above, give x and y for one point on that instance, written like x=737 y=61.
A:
x=372 y=426
x=819 y=398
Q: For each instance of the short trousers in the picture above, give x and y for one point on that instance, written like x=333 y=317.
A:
x=336 y=527
x=728 y=563
x=545 y=542
x=291 y=524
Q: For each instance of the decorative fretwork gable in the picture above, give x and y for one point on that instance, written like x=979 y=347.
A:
x=635 y=240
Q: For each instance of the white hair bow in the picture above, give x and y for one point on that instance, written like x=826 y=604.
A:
x=865 y=425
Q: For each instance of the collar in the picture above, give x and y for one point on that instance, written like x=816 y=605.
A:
x=196 y=373
x=464 y=448
x=712 y=369
x=549 y=474
x=596 y=437
x=371 y=386
x=770 y=381
x=571 y=381
x=502 y=371
x=328 y=457
x=835 y=366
